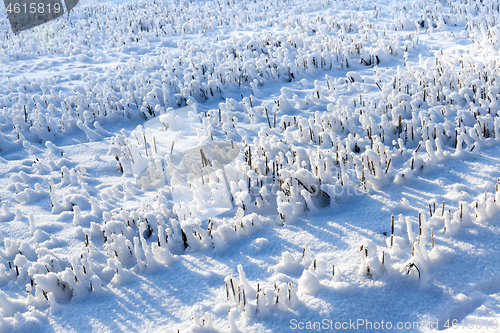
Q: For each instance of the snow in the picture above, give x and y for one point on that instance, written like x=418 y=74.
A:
x=221 y=166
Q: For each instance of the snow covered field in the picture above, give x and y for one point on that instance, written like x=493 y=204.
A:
x=253 y=166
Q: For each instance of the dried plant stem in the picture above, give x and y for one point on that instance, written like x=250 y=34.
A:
x=432 y=237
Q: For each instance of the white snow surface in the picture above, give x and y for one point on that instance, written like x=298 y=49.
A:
x=391 y=109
